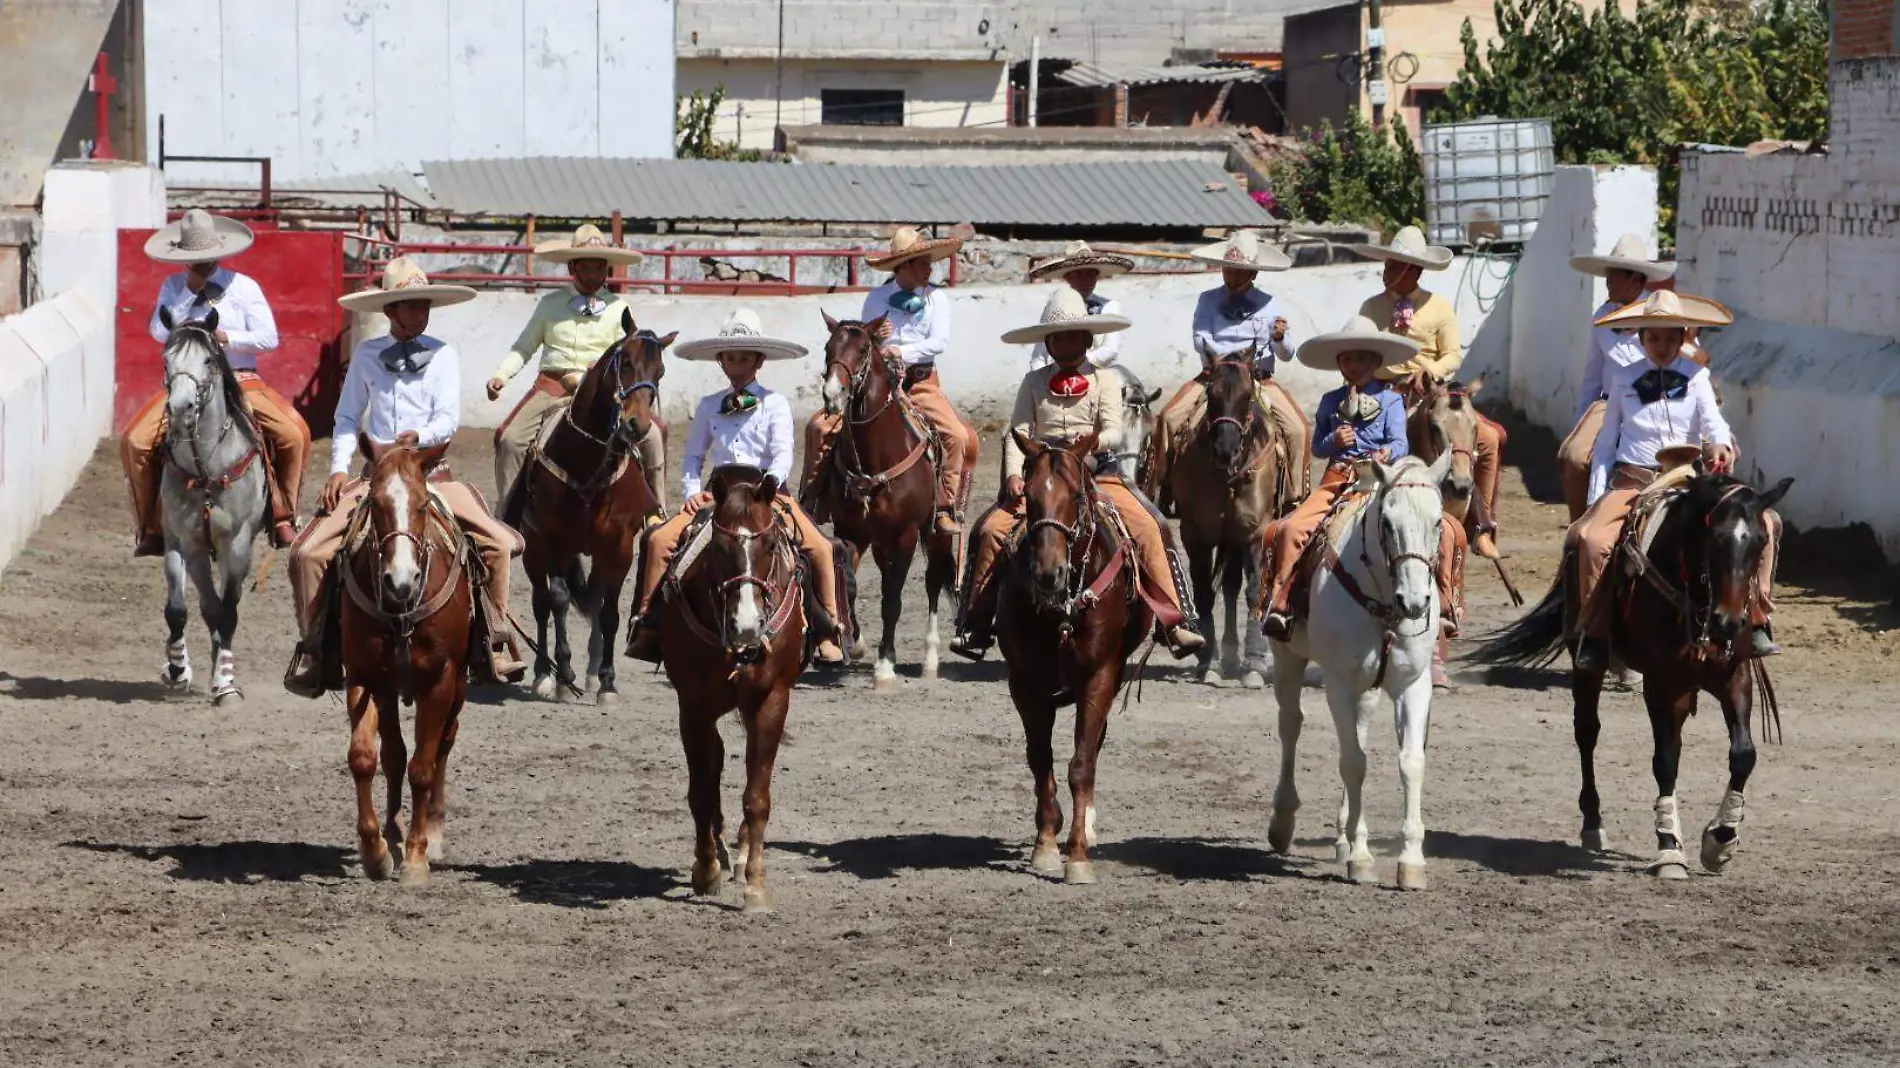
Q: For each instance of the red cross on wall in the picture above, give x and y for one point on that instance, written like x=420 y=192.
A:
x=103 y=84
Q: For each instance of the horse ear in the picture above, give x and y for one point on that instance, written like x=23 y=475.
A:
x=830 y=323
x=1476 y=384
x=1370 y=475
x=1084 y=446
x=669 y=339
x=1441 y=468
x=211 y=321
x=1030 y=446
x=626 y=321
x=165 y=318
x=768 y=488
x=1769 y=499
x=1154 y=396
x=878 y=325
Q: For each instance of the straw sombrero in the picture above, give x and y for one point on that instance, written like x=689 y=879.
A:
x=1079 y=257
x=403 y=280
x=588 y=243
x=907 y=244
x=740 y=333
x=1066 y=311
x=1245 y=250
x=1630 y=253
x=1408 y=246
x=1359 y=334
x=199 y=237
x=1668 y=309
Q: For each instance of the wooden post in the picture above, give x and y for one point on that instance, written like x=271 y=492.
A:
x=619 y=272
x=530 y=243
x=1121 y=105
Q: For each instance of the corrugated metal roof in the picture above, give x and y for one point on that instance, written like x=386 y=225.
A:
x=340 y=191
x=1171 y=194
x=1095 y=75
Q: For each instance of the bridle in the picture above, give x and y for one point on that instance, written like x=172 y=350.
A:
x=1243 y=465
x=781 y=598
x=857 y=379
x=1081 y=537
x=197 y=479
x=409 y=612
x=1386 y=611
x=618 y=439
x=1698 y=618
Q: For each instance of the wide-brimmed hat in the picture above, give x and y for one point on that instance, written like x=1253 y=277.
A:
x=199 y=237
x=1360 y=334
x=1066 y=311
x=1245 y=250
x=1668 y=309
x=907 y=244
x=1630 y=253
x=740 y=333
x=403 y=280
x=1080 y=257
x=1408 y=246
x=588 y=243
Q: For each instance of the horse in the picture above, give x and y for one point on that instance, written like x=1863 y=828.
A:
x=881 y=491
x=733 y=636
x=1068 y=619
x=1138 y=420
x=1445 y=420
x=586 y=494
x=1228 y=482
x=214 y=499
x=406 y=629
x=1679 y=615
x=1372 y=625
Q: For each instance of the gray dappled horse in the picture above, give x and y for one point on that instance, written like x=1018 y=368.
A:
x=1138 y=420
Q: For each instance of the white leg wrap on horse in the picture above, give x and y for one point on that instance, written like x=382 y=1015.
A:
x=1730 y=813
x=1668 y=821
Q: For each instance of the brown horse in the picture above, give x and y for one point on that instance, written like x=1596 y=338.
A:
x=406 y=628
x=881 y=490
x=1226 y=484
x=1445 y=420
x=1068 y=619
x=585 y=494
x=1680 y=615
x=733 y=636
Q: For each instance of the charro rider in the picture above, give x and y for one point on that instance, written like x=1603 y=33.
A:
x=1661 y=403
x=919 y=334
x=404 y=388
x=1069 y=400
x=1081 y=267
x=247 y=330
x=1429 y=319
x=570 y=328
x=1232 y=318
x=1363 y=419
x=742 y=424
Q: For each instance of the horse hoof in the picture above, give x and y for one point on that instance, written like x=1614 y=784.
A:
x=379 y=867
x=1716 y=853
x=1210 y=677
x=1046 y=860
x=544 y=687
x=435 y=849
x=706 y=882
x=607 y=697
x=1253 y=680
x=885 y=684
x=1361 y=872
x=1280 y=831
x=1342 y=851
x=757 y=900
x=176 y=679
x=1412 y=877
x=416 y=874
x=1596 y=840
x=231 y=698
x=929 y=673
x=1672 y=872
x=1078 y=873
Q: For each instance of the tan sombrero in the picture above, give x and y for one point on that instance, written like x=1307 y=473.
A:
x=199 y=237
x=1360 y=334
x=1668 y=309
x=1630 y=253
x=907 y=244
x=1245 y=250
x=403 y=280
x=1080 y=257
x=1408 y=246
x=1066 y=311
x=740 y=333
x=588 y=243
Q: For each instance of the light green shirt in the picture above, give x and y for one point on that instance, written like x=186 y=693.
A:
x=566 y=339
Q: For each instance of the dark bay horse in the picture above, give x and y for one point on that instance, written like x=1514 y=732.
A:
x=734 y=637
x=406 y=626
x=585 y=494
x=1068 y=618
x=881 y=489
x=1680 y=615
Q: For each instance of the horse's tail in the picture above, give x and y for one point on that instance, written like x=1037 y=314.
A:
x=1533 y=641
x=584 y=597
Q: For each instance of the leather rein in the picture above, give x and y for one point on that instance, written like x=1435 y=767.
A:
x=208 y=486
x=1385 y=612
x=781 y=599
x=1083 y=592
x=401 y=622
x=617 y=442
x=1697 y=619
x=865 y=485
x=1249 y=464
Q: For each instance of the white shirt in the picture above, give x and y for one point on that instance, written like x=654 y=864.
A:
x=383 y=403
x=919 y=338
x=1106 y=347
x=1633 y=432
x=1225 y=325
x=1609 y=349
x=243 y=314
x=761 y=438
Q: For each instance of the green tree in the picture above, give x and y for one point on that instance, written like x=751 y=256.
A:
x=1354 y=173
x=693 y=130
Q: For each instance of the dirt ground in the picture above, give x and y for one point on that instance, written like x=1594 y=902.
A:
x=180 y=885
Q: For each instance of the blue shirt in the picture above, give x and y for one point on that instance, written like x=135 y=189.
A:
x=1383 y=431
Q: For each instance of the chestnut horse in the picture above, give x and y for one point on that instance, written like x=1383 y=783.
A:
x=1680 y=615
x=880 y=489
x=406 y=625
x=585 y=494
x=733 y=636
x=1446 y=420
x=1068 y=618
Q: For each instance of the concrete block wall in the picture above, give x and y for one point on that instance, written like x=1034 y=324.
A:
x=56 y=379
x=952 y=29
x=1864 y=111
x=86 y=205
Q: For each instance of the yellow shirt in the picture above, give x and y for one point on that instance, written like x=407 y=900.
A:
x=567 y=340
x=1041 y=415
x=1434 y=327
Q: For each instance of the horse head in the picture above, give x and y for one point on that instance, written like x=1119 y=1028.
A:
x=748 y=558
x=619 y=394
x=1058 y=501
x=398 y=501
x=1405 y=510
x=1722 y=545
x=1233 y=411
x=1137 y=420
x=1445 y=422
x=195 y=368
x=850 y=358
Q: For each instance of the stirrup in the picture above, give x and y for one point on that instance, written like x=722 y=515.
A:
x=972 y=646
x=1278 y=625
x=1183 y=641
x=304 y=677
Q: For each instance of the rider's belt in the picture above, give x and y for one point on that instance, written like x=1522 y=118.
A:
x=918 y=372
x=550 y=382
x=1632 y=476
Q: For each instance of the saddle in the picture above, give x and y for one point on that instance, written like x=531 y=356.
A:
x=815 y=497
x=698 y=535
x=1313 y=559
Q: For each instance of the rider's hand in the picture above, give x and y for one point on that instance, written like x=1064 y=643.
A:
x=495 y=386
x=1345 y=438
x=890 y=352
x=696 y=502
x=1013 y=488
x=1718 y=458
x=223 y=338
x=409 y=439
x=332 y=492
x=1384 y=456
x=1279 y=330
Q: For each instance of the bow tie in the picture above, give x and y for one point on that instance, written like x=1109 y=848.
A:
x=208 y=295
x=1657 y=383
x=406 y=357
x=587 y=304
x=738 y=402
x=907 y=301
x=1241 y=307
x=1095 y=303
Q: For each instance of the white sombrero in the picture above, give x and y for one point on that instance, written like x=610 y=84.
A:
x=1080 y=257
x=199 y=237
x=740 y=333
x=588 y=243
x=1408 y=246
x=1630 y=253
x=907 y=244
x=1670 y=310
x=403 y=280
x=1359 y=334
x=1245 y=250
x=1066 y=311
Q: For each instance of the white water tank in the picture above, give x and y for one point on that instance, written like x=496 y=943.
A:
x=1494 y=172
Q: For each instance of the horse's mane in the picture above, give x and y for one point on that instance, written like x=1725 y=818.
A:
x=197 y=333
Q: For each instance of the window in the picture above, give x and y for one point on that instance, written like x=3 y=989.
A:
x=861 y=107
x=1427 y=101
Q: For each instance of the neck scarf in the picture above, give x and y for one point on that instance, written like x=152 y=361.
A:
x=210 y=294
x=406 y=357
x=1068 y=384
x=1095 y=303
x=907 y=301
x=588 y=304
x=1240 y=307
x=1659 y=383
x=1403 y=309
x=739 y=402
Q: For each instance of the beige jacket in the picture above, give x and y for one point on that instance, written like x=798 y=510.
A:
x=1040 y=415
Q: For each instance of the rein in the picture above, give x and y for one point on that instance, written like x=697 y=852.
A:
x=1250 y=461
x=208 y=486
x=1083 y=592
x=615 y=445
x=866 y=485
x=402 y=622
x=781 y=600
x=1386 y=613
x=1697 y=619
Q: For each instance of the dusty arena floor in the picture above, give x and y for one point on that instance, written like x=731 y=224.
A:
x=180 y=885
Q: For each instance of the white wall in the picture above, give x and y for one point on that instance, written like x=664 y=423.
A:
x=56 y=379
x=86 y=205
x=936 y=93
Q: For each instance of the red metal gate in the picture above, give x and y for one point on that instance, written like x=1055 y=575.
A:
x=301 y=273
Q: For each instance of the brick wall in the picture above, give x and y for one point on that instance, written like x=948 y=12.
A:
x=1865 y=28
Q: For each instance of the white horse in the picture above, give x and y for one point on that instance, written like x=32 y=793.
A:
x=1372 y=625
x=1138 y=420
x=213 y=495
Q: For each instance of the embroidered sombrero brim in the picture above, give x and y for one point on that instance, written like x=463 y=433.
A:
x=1602 y=265
x=1322 y=353
x=1431 y=257
x=231 y=238
x=567 y=252
x=1090 y=324
x=1106 y=263
x=1268 y=258
x=438 y=296
x=939 y=249
x=1696 y=312
x=709 y=348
